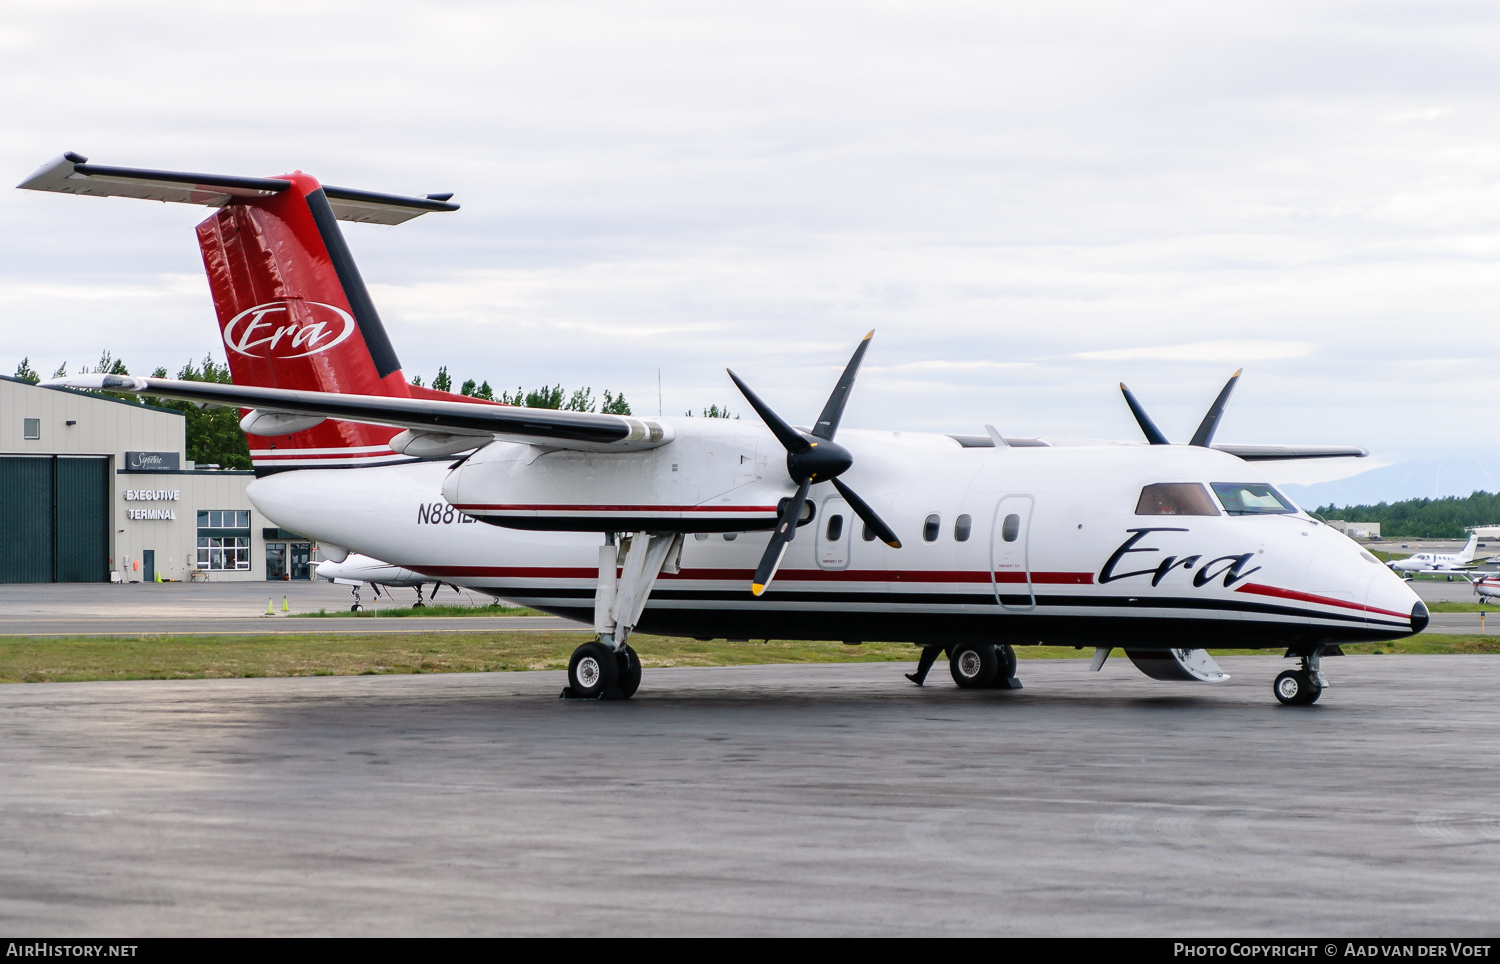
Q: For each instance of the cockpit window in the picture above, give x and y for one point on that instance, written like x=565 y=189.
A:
x=1175 y=498
x=1252 y=498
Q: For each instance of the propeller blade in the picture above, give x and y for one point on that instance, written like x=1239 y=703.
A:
x=789 y=437
x=862 y=509
x=786 y=528
x=1148 y=427
x=1210 y=423
x=828 y=422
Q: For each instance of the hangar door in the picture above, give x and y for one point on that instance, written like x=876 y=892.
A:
x=55 y=524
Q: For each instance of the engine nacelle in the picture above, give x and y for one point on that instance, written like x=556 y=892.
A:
x=713 y=476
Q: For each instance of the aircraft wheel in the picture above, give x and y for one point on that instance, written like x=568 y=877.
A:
x=592 y=670
x=419 y=605
x=1006 y=659
x=1296 y=687
x=974 y=665
x=356 y=608
x=629 y=665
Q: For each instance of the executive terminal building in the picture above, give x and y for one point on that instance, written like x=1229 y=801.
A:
x=96 y=489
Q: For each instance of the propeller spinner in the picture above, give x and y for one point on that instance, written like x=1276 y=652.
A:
x=810 y=458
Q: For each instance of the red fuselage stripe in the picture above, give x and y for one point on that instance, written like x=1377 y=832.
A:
x=801 y=575
x=1260 y=590
x=564 y=509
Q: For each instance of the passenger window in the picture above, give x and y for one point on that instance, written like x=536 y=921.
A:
x=866 y=534
x=731 y=536
x=931 y=527
x=1010 y=528
x=962 y=526
x=1252 y=498
x=700 y=536
x=1175 y=498
x=835 y=530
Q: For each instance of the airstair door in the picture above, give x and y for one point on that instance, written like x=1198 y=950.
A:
x=835 y=524
x=1010 y=560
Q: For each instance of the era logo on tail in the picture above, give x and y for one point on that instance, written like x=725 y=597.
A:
x=287 y=325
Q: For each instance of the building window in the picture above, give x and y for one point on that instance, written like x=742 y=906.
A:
x=224 y=539
x=31 y=428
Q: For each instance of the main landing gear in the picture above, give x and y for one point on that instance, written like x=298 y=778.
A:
x=607 y=668
x=419 y=604
x=356 y=608
x=973 y=665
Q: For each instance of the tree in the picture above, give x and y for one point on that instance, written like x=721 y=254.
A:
x=580 y=401
x=485 y=392
x=213 y=434
x=26 y=373
x=468 y=388
x=417 y=381
x=441 y=381
x=614 y=404
x=713 y=411
x=62 y=371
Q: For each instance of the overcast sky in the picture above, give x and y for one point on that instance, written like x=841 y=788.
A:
x=1028 y=202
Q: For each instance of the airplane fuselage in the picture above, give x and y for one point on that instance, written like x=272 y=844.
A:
x=1025 y=545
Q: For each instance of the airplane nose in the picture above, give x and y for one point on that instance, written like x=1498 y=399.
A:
x=1419 y=617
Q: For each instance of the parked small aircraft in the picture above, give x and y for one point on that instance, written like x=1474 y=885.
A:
x=1447 y=562
x=360 y=570
x=1159 y=549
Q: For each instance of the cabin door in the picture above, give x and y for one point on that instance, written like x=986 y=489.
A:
x=1010 y=560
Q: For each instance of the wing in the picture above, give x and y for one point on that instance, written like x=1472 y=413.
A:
x=582 y=431
x=1273 y=453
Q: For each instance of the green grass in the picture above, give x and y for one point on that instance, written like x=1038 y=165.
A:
x=1465 y=607
x=33 y=659
x=431 y=609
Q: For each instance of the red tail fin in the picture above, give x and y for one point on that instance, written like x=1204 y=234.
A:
x=292 y=308
x=294 y=313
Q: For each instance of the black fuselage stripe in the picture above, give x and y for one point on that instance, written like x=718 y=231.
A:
x=1043 y=603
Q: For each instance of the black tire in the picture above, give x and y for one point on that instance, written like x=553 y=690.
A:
x=1296 y=687
x=974 y=665
x=629 y=672
x=356 y=608
x=1005 y=657
x=592 y=670
x=419 y=605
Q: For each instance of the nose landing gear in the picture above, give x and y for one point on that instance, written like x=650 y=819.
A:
x=356 y=608
x=1302 y=686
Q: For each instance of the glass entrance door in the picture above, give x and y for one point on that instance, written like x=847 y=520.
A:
x=301 y=557
x=275 y=561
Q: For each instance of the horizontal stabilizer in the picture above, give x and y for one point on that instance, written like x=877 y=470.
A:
x=1275 y=453
x=582 y=431
x=73 y=174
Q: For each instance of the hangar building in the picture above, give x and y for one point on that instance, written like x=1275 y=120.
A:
x=97 y=489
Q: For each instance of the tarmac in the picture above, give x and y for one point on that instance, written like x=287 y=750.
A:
x=67 y=609
x=238 y=608
x=798 y=800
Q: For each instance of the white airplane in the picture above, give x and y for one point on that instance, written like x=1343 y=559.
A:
x=1160 y=549
x=1447 y=562
x=358 y=570
x=1486 y=586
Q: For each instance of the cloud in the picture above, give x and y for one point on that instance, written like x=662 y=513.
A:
x=1229 y=352
x=1015 y=196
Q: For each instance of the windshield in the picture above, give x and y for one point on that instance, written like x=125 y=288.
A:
x=1252 y=498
